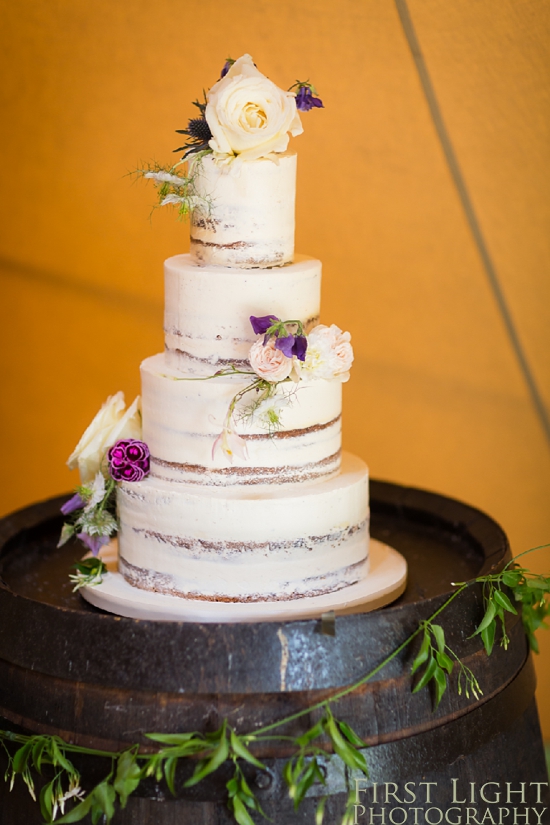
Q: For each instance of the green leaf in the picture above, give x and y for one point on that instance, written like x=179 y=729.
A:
x=352 y=757
x=311 y=774
x=487 y=618
x=128 y=776
x=444 y=661
x=350 y=735
x=240 y=813
x=209 y=765
x=78 y=812
x=440 y=684
x=511 y=579
x=426 y=676
x=103 y=801
x=541 y=584
x=488 y=637
x=241 y=750
x=58 y=757
x=311 y=734
x=21 y=757
x=423 y=653
x=37 y=751
x=171 y=738
x=320 y=811
x=170 y=772
x=46 y=800
x=439 y=634
x=288 y=773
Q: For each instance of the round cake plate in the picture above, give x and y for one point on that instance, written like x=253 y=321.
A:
x=385 y=581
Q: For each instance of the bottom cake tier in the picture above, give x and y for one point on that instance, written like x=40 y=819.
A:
x=241 y=545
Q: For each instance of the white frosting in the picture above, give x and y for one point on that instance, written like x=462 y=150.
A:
x=243 y=544
x=182 y=418
x=207 y=309
x=247 y=219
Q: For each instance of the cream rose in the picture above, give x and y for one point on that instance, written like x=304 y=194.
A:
x=112 y=423
x=248 y=115
x=269 y=363
x=329 y=354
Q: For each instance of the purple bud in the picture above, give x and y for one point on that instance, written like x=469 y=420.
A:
x=74 y=503
x=93 y=543
x=226 y=66
x=261 y=325
x=306 y=101
x=300 y=347
x=285 y=345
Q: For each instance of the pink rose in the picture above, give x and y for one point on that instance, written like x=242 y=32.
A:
x=268 y=362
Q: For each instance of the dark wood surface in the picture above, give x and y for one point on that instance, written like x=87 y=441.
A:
x=103 y=681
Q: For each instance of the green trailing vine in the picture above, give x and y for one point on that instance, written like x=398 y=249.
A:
x=432 y=667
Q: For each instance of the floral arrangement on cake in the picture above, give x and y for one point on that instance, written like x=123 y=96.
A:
x=244 y=117
x=109 y=451
x=284 y=356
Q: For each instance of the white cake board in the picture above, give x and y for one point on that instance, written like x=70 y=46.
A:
x=386 y=580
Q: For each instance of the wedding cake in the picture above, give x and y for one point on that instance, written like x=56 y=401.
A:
x=235 y=489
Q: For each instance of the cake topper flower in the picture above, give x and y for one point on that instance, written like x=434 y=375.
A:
x=249 y=116
x=245 y=115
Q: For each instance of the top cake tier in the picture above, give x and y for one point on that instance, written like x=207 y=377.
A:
x=245 y=213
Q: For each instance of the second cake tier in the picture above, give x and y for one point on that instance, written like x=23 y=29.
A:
x=183 y=417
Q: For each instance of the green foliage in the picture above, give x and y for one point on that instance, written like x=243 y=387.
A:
x=177 y=189
x=89 y=573
x=529 y=589
x=433 y=665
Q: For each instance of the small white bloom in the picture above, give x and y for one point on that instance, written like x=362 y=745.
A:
x=248 y=115
x=230 y=443
x=97 y=491
x=329 y=354
x=166 y=177
x=110 y=425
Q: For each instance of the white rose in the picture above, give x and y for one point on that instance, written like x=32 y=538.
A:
x=269 y=363
x=110 y=425
x=248 y=115
x=329 y=354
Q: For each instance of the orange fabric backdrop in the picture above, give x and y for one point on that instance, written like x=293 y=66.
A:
x=437 y=399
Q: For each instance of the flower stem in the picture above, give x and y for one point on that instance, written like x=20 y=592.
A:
x=350 y=688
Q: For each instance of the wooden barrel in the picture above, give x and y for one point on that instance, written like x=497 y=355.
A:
x=104 y=681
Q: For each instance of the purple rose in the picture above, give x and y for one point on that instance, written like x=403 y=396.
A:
x=74 y=503
x=128 y=460
x=306 y=101
x=93 y=543
x=261 y=325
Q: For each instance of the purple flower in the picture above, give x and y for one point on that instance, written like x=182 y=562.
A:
x=128 y=460
x=292 y=345
x=300 y=347
x=93 y=543
x=74 y=503
x=261 y=325
x=226 y=66
x=306 y=101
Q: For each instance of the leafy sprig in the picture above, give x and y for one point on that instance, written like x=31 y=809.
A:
x=89 y=573
x=177 y=188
